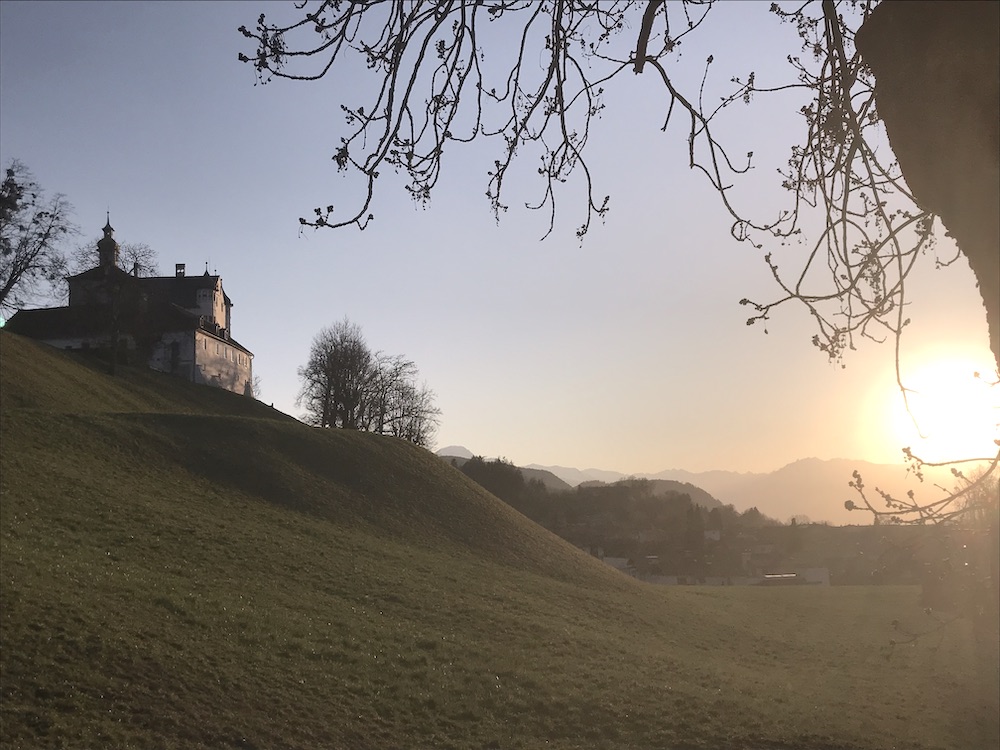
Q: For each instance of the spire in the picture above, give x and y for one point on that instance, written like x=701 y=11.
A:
x=107 y=248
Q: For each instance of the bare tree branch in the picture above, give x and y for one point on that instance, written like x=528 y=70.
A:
x=33 y=227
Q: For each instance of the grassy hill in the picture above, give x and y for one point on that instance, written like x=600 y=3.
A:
x=185 y=568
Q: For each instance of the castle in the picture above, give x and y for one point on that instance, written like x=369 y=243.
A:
x=178 y=324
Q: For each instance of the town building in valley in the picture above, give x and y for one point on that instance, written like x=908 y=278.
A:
x=178 y=324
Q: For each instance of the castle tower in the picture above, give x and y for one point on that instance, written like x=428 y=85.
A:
x=107 y=248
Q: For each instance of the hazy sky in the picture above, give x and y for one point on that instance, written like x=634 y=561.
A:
x=629 y=352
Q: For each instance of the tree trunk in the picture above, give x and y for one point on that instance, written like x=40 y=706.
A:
x=937 y=72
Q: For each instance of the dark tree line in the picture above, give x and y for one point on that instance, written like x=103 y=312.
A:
x=347 y=385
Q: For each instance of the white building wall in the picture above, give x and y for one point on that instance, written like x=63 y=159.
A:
x=210 y=302
x=219 y=363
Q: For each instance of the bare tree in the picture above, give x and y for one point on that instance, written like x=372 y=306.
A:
x=135 y=258
x=33 y=227
x=336 y=377
x=388 y=372
x=345 y=384
x=412 y=413
x=971 y=497
x=444 y=72
x=982 y=503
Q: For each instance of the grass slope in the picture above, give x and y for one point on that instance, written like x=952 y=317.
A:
x=183 y=568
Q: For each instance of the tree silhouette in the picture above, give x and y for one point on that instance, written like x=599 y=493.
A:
x=33 y=227
x=135 y=258
x=345 y=384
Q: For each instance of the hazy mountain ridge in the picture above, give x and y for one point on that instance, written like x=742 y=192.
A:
x=575 y=477
x=812 y=487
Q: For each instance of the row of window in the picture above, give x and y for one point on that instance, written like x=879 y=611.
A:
x=227 y=352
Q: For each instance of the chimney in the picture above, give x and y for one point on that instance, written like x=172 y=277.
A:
x=179 y=270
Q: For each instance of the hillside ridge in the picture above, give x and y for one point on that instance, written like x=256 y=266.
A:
x=182 y=569
x=145 y=418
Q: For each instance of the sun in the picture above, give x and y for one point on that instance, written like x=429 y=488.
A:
x=954 y=410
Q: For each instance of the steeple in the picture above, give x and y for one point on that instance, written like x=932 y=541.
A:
x=107 y=248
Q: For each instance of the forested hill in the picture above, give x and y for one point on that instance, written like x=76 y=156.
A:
x=550 y=481
x=663 y=487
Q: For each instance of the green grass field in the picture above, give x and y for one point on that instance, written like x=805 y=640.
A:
x=185 y=568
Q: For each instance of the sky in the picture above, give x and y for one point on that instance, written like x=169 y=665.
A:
x=628 y=351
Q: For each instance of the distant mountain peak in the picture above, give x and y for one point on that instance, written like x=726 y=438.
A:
x=458 y=451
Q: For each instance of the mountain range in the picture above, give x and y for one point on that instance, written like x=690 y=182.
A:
x=810 y=489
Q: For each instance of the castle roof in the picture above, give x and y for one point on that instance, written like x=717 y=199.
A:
x=91 y=321
x=178 y=290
